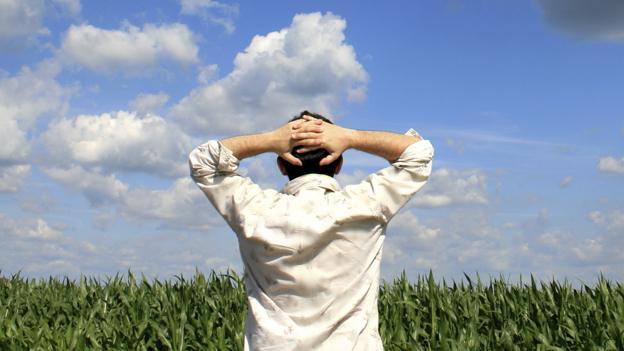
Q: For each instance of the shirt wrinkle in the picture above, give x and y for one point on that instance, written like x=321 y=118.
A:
x=311 y=252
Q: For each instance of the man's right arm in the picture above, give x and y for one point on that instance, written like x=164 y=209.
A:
x=336 y=140
x=385 y=144
x=392 y=187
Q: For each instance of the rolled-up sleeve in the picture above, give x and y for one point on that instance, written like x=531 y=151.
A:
x=392 y=187
x=213 y=168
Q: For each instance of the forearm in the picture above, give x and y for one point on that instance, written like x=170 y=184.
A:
x=244 y=146
x=384 y=144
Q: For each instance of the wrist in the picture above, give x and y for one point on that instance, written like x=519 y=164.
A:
x=353 y=137
x=271 y=140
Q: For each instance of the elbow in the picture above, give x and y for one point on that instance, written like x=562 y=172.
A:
x=199 y=168
x=193 y=162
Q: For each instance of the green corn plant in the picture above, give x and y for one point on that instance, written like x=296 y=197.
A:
x=207 y=312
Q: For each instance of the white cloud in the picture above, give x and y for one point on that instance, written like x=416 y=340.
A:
x=305 y=66
x=207 y=74
x=20 y=19
x=130 y=48
x=407 y=222
x=408 y=241
x=151 y=103
x=611 y=165
x=14 y=146
x=354 y=177
x=613 y=220
x=12 y=177
x=459 y=240
x=451 y=187
x=182 y=205
x=121 y=141
x=71 y=7
x=212 y=11
x=24 y=98
x=26 y=229
x=98 y=188
x=566 y=181
x=37 y=201
x=589 y=250
x=31 y=94
x=263 y=170
x=37 y=248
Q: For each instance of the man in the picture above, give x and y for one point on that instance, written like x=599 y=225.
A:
x=312 y=252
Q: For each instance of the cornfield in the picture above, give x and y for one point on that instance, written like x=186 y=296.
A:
x=208 y=312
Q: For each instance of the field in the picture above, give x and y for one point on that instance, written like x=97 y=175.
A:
x=207 y=313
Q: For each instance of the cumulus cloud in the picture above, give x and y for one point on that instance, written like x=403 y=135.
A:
x=130 y=48
x=263 y=170
x=603 y=250
x=182 y=205
x=32 y=93
x=354 y=177
x=175 y=207
x=33 y=246
x=215 y=12
x=121 y=141
x=588 y=19
x=12 y=177
x=471 y=239
x=20 y=19
x=11 y=228
x=611 y=165
x=408 y=240
x=462 y=240
x=408 y=222
x=155 y=255
x=305 y=66
x=14 y=147
x=448 y=187
x=98 y=188
x=25 y=97
x=207 y=73
x=151 y=103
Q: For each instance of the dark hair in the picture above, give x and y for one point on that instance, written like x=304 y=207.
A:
x=309 y=159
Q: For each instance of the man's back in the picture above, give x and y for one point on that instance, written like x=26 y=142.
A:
x=312 y=258
x=312 y=252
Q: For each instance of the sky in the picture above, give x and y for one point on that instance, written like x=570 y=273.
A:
x=101 y=103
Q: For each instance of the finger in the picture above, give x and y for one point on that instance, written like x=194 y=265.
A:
x=308 y=142
x=328 y=159
x=297 y=124
x=311 y=128
x=307 y=149
x=291 y=159
x=311 y=135
x=312 y=119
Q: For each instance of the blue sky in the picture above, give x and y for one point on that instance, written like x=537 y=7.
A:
x=100 y=104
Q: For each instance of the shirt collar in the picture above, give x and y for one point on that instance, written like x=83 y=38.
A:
x=311 y=181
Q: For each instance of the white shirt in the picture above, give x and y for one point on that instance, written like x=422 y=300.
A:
x=311 y=252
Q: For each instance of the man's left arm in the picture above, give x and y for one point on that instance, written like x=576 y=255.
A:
x=280 y=141
x=213 y=164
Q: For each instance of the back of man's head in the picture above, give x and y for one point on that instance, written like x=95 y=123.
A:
x=309 y=159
